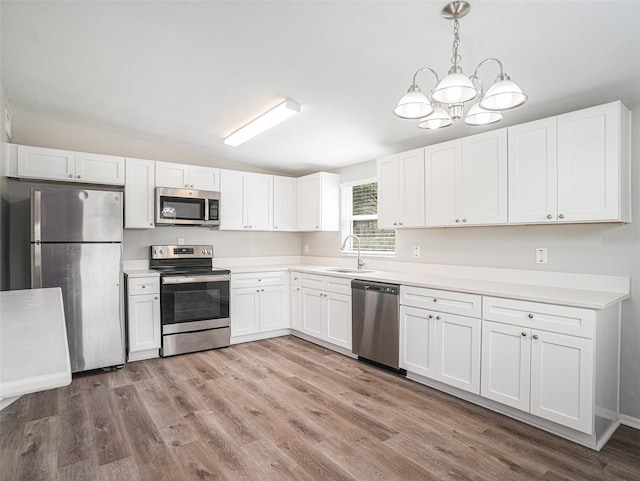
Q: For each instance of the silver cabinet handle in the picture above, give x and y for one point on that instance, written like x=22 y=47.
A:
x=71 y=176
x=435 y=299
x=437 y=318
x=549 y=216
x=524 y=334
x=156 y=298
x=186 y=185
x=530 y=316
x=457 y=220
x=261 y=290
x=275 y=227
x=464 y=220
x=257 y=290
x=535 y=336
x=395 y=223
x=430 y=316
x=78 y=176
x=400 y=223
x=561 y=216
x=143 y=286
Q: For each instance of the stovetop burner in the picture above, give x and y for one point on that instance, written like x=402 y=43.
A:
x=187 y=260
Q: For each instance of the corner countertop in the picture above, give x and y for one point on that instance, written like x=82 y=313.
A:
x=536 y=291
x=34 y=354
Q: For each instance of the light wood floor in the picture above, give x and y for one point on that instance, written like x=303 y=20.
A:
x=282 y=409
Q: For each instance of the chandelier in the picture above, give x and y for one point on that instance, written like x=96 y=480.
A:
x=455 y=89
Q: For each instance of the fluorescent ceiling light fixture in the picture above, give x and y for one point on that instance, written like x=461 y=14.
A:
x=273 y=117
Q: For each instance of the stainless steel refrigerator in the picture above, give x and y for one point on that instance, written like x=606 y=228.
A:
x=76 y=244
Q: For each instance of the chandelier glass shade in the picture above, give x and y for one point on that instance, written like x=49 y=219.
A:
x=455 y=89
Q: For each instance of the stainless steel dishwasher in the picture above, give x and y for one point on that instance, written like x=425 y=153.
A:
x=375 y=320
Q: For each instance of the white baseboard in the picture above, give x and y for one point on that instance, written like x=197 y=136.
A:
x=630 y=421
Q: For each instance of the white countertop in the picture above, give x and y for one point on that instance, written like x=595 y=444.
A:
x=141 y=273
x=34 y=354
x=533 y=291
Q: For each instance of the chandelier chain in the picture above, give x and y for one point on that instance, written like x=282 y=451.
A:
x=456 y=58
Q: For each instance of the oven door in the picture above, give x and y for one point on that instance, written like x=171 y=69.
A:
x=194 y=303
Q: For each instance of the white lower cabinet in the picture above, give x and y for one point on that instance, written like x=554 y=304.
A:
x=143 y=318
x=326 y=309
x=261 y=307
x=295 y=300
x=441 y=346
x=528 y=366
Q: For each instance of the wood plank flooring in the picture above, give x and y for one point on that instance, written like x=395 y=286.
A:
x=283 y=410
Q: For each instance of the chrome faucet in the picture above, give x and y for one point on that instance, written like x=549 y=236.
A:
x=360 y=261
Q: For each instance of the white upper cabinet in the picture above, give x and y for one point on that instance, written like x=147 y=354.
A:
x=533 y=178
x=443 y=163
x=593 y=164
x=466 y=181
x=55 y=164
x=571 y=168
x=401 y=190
x=319 y=202
x=183 y=176
x=484 y=178
x=284 y=203
x=139 y=194
x=246 y=201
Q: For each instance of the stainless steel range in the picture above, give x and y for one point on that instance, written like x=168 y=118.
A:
x=194 y=299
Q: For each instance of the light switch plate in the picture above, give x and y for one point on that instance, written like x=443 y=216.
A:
x=541 y=255
x=416 y=251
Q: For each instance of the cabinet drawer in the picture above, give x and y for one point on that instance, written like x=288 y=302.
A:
x=143 y=285
x=295 y=278
x=339 y=285
x=534 y=315
x=469 y=305
x=257 y=279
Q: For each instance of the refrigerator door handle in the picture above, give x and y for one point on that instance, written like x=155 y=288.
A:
x=36 y=213
x=36 y=237
x=36 y=265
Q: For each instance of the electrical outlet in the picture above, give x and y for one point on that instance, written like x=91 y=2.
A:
x=306 y=248
x=416 y=251
x=180 y=241
x=541 y=255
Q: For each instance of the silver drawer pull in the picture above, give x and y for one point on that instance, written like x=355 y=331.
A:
x=535 y=336
x=524 y=334
x=530 y=316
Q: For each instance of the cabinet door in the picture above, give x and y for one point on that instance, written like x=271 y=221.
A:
x=245 y=313
x=388 y=192
x=411 y=188
x=169 y=174
x=484 y=178
x=309 y=203
x=258 y=201
x=274 y=308
x=138 y=194
x=443 y=183
x=458 y=351
x=533 y=172
x=562 y=380
x=41 y=163
x=418 y=341
x=338 y=319
x=589 y=164
x=296 y=307
x=144 y=322
x=232 y=200
x=204 y=178
x=312 y=312
x=100 y=169
x=284 y=203
x=506 y=363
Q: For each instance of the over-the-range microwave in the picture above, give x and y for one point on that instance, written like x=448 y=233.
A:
x=187 y=207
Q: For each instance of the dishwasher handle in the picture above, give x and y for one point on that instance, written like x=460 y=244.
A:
x=380 y=287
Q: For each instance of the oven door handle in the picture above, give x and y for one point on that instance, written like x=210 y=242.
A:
x=194 y=279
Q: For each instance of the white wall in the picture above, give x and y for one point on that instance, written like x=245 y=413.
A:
x=589 y=248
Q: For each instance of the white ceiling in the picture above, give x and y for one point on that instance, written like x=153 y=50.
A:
x=190 y=73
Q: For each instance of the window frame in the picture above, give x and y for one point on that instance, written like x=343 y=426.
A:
x=347 y=218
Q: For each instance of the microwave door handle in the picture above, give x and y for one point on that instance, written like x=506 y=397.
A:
x=206 y=209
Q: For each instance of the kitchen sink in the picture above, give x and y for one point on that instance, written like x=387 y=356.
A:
x=345 y=270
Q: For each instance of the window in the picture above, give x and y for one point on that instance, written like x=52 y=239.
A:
x=359 y=216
